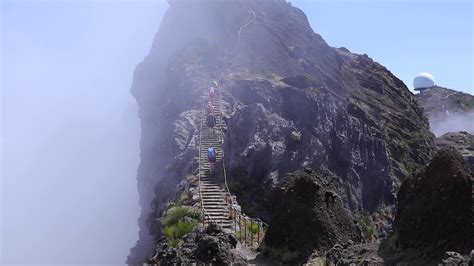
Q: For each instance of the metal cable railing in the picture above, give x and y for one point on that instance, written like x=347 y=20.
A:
x=222 y=148
x=203 y=210
x=235 y=214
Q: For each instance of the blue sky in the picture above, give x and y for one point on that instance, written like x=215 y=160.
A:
x=408 y=37
x=70 y=131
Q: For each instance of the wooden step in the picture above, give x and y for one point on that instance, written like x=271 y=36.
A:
x=217 y=216
x=216 y=205
x=212 y=197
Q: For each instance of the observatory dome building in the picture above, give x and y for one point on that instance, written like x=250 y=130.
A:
x=423 y=81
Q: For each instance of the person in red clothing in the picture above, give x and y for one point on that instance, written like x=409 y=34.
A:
x=210 y=108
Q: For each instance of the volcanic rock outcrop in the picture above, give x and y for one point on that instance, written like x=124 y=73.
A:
x=208 y=245
x=434 y=208
x=308 y=215
x=448 y=110
x=290 y=102
x=462 y=141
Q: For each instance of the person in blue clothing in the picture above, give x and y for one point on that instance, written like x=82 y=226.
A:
x=212 y=157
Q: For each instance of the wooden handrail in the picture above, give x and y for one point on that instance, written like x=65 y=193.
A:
x=222 y=148
x=236 y=213
x=203 y=210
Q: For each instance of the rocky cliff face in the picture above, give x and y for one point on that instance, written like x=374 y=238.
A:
x=308 y=215
x=434 y=210
x=451 y=118
x=290 y=102
x=448 y=110
x=208 y=245
x=462 y=141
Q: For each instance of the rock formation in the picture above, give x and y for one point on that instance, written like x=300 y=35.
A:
x=290 y=102
x=462 y=141
x=448 y=110
x=208 y=245
x=308 y=215
x=434 y=209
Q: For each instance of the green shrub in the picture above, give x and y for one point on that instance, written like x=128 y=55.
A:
x=175 y=232
x=179 y=229
x=173 y=243
x=367 y=227
x=253 y=227
x=176 y=214
x=238 y=235
x=175 y=225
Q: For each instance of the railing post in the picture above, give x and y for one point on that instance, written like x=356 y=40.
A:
x=245 y=226
x=251 y=234
x=240 y=227
x=258 y=234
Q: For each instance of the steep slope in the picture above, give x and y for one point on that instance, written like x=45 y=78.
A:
x=290 y=101
x=434 y=210
x=462 y=141
x=308 y=216
x=448 y=110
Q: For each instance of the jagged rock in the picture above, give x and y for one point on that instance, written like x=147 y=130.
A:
x=307 y=215
x=208 y=245
x=462 y=141
x=290 y=102
x=434 y=211
x=454 y=258
x=448 y=110
x=353 y=254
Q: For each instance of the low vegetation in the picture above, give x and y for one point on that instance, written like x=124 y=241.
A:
x=178 y=222
x=367 y=227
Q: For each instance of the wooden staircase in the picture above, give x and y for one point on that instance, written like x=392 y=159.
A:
x=213 y=195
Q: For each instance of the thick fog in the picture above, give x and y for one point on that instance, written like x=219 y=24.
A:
x=453 y=123
x=70 y=131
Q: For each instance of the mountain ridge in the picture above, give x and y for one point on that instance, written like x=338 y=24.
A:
x=290 y=101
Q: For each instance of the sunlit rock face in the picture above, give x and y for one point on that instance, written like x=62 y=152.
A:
x=290 y=102
x=462 y=141
x=448 y=110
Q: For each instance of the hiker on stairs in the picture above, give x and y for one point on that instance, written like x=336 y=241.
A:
x=213 y=89
x=209 y=108
x=211 y=122
x=214 y=83
x=212 y=157
x=212 y=93
x=210 y=118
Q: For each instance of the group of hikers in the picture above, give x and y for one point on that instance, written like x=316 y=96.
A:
x=211 y=122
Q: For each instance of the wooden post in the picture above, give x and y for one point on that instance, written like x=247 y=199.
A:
x=251 y=234
x=240 y=227
x=258 y=234
x=245 y=228
x=235 y=220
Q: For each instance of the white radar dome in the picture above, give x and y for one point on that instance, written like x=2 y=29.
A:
x=423 y=81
